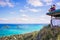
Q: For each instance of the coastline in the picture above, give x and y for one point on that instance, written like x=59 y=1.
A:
x=24 y=29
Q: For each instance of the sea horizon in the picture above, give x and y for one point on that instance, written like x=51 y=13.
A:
x=16 y=29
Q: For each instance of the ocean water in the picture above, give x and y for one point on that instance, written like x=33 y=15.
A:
x=14 y=29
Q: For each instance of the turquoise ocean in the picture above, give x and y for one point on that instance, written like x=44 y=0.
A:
x=15 y=29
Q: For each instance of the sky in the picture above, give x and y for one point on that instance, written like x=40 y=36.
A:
x=26 y=11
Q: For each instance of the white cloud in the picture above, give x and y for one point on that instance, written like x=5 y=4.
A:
x=4 y=3
x=48 y=2
x=34 y=10
x=58 y=3
x=24 y=19
x=21 y=10
x=1 y=19
x=12 y=12
x=24 y=15
x=29 y=9
x=35 y=3
x=42 y=19
x=10 y=4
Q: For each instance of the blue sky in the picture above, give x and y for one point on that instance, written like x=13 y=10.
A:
x=26 y=11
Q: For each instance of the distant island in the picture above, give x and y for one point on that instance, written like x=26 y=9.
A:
x=46 y=33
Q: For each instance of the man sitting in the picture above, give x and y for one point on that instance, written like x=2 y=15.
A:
x=52 y=8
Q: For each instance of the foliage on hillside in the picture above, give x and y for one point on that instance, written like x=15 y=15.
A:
x=28 y=36
x=47 y=33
